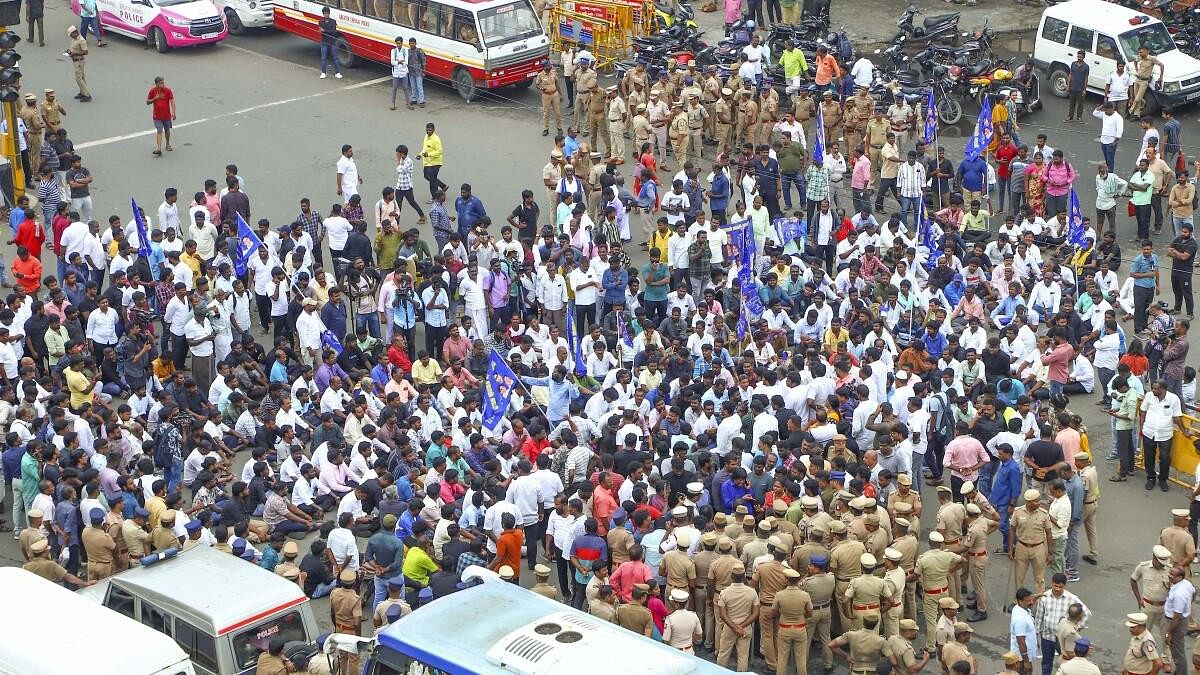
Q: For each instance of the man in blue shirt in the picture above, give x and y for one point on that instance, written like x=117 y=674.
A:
x=1003 y=314
x=1144 y=270
x=935 y=341
x=971 y=175
x=766 y=172
x=718 y=194
x=614 y=281
x=469 y=209
x=562 y=392
x=1006 y=487
x=333 y=314
x=385 y=557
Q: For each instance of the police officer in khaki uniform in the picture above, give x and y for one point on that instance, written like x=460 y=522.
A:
x=35 y=124
x=768 y=114
x=78 y=51
x=876 y=538
x=1179 y=541
x=950 y=518
x=866 y=594
x=820 y=586
x=1143 y=70
x=697 y=120
x=877 y=132
x=711 y=94
x=642 y=131
x=677 y=567
x=100 y=548
x=395 y=593
x=943 y=633
x=831 y=115
x=586 y=86
x=720 y=575
x=769 y=579
x=290 y=552
x=636 y=97
x=845 y=561
x=636 y=76
x=618 y=115
x=957 y=650
x=813 y=515
x=52 y=111
x=547 y=83
x=703 y=560
x=133 y=531
x=747 y=117
x=935 y=568
x=906 y=543
x=901 y=652
x=737 y=610
x=31 y=534
x=897 y=582
x=597 y=109
x=865 y=646
x=1142 y=656
x=793 y=613
x=345 y=608
x=858 y=111
x=813 y=546
x=1150 y=583
x=1030 y=542
x=804 y=107
x=970 y=495
x=659 y=112
x=44 y=567
x=974 y=546
x=541 y=582
x=163 y=537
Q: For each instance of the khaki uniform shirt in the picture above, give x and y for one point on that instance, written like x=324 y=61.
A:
x=696 y=114
x=381 y=610
x=720 y=574
x=29 y=536
x=641 y=130
x=52 y=112
x=739 y=601
x=877 y=542
x=950 y=519
x=976 y=538
x=99 y=546
x=598 y=105
x=602 y=610
x=585 y=82
x=1155 y=581
x=748 y=110
x=346 y=607
x=712 y=89
x=751 y=550
x=703 y=561
x=955 y=651
x=793 y=605
x=1079 y=665
x=844 y=560
x=636 y=618
x=865 y=646
x=546 y=82
x=1141 y=653
x=1066 y=633
x=934 y=567
x=903 y=652
x=1144 y=68
x=679 y=127
x=269 y=664
x=635 y=98
x=868 y=590
x=831 y=114
x=1031 y=528
x=282 y=568
x=943 y=632
x=46 y=569
x=545 y=590
x=896 y=581
x=634 y=77
x=805 y=108
x=681 y=627
x=820 y=588
x=803 y=554
x=769 y=580
x=163 y=538
x=679 y=567
x=619 y=540
x=907 y=546
x=877 y=131
x=1179 y=542
x=34 y=122
x=617 y=110
x=135 y=538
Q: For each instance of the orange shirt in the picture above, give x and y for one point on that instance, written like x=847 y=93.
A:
x=827 y=69
x=30 y=271
x=508 y=548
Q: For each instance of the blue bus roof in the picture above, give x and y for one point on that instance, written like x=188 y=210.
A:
x=499 y=628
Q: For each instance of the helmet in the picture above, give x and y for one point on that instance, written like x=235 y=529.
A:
x=749 y=24
x=955 y=71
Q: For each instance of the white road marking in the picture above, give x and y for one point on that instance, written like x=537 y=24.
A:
x=234 y=113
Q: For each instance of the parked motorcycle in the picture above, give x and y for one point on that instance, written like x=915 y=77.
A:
x=667 y=14
x=938 y=27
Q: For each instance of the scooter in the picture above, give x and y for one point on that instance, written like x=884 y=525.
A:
x=667 y=14
x=939 y=27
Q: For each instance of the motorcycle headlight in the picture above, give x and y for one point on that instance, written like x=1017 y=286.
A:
x=1172 y=87
x=182 y=23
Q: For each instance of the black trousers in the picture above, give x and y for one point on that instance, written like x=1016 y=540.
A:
x=1142 y=297
x=407 y=194
x=1181 y=287
x=179 y=350
x=434 y=337
x=1142 y=213
x=1160 y=450
x=264 y=310
x=1156 y=201
x=431 y=176
x=532 y=539
x=585 y=316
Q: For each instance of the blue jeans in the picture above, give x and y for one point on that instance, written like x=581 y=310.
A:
x=909 y=204
x=90 y=21
x=1109 y=150
x=370 y=321
x=380 y=591
x=416 y=88
x=1049 y=649
x=323 y=590
x=328 y=53
x=172 y=474
x=789 y=179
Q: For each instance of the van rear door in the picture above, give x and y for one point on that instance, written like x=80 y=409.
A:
x=1082 y=39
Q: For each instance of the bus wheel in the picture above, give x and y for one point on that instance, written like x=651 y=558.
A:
x=465 y=84
x=345 y=55
x=159 y=40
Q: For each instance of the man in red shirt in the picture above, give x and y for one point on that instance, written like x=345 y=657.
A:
x=27 y=270
x=1005 y=152
x=162 y=102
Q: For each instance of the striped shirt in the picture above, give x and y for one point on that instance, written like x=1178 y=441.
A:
x=49 y=194
x=910 y=179
x=312 y=224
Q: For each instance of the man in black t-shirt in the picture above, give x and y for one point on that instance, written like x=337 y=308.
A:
x=1183 y=254
x=318 y=580
x=1044 y=458
x=329 y=39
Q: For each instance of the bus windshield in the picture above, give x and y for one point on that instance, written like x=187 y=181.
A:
x=508 y=23
x=1153 y=37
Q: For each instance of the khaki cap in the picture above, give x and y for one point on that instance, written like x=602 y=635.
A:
x=967 y=488
x=1010 y=658
x=30 y=96
x=680 y=595
x=1180 y=513
x=720 y=518
x=903 y=522
x=763 y=526
x=709 y=538
x=904 y=479
x=1161 y=552
x=747 y=520
x=541 y=570
x=871 y=616
x=944 y=489
x=963 y=627
x=506 y=572
x=640 y=108
x=837 y=527
x=947 y=603
x=290 y=548
x=974 y=509
x=36 y=513
x=774 y=541
x=741 y=510
x=1131 y=620
x=858 y=503
x=655 y=92
x=738 y=567
x=871 y=519
x=724 y=544
x=726 y=91
x=679 y=511
x=292 y=573
x=1032 y=495
x=791 y=573
x=845 y=495
x=779 y=506
x=892 y=554
x=908 y=624
x=867 y=560
x=348 y=576
x=49 y=91
x=168 y=516
x=39 y=546
x=809 y=502
x=1083 y=457
x=936 y=537
x=682 y=540
x=645 y=588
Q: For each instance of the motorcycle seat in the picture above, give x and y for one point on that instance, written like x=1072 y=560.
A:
x=941 y=18
x=979 y=68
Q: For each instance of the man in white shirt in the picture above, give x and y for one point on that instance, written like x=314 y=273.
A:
x=348 y=179
x=1112 y=127
x=200 y=338
x=337 y=228
x=308 y=329
x=168 y=211
x=1159 y=413
x=863 y=71
x=342 y=543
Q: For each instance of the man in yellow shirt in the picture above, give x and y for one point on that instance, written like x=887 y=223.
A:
x=431 y=155
x=425 y=370
x=82 y=387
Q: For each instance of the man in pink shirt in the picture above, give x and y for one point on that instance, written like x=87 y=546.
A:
x=1060 y=176
x=964 y=457
x=629 y=573
x=860 y=180
x=1068 y=438
x=1059 y=361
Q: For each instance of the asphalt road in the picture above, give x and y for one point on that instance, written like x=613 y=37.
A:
x=256 y=101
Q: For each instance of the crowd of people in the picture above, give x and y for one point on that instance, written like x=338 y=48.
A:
x=728 y=447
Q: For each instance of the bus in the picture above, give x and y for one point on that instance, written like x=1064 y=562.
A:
x=499 y=628
x=473 y=44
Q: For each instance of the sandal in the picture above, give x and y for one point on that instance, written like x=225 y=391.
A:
x=1117 y=479
x=170 y=149
x=157 y=153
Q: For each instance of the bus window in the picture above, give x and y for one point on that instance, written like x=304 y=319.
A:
x=380 y=9
x=508 y=23
x=355 y=6
x=434 y=18
x=404 y=13
x=463 y=28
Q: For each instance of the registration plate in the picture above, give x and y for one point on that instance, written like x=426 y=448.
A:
x=1193 y=96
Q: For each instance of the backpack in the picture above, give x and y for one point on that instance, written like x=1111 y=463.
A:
x=162 y=451
x=945 y=425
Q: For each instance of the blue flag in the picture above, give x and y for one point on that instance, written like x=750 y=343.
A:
x=248 y=243
x=927 y=238
x=497 y=389
x=330 y=342
x=931 y=118
x=981 y=136
x=752 y=308
x=788 y=228
x=143 y=235
x=818 y=148
x=1075 y=229
x=575 y=342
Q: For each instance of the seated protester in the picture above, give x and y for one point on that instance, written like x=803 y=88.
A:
x=238 y=510
x=317 y=570
x=335 y=476
x=283 y=517
x=260 y=486
x=309 y=495
x=267 y=435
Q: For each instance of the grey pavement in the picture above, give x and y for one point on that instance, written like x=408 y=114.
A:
x=256 y=101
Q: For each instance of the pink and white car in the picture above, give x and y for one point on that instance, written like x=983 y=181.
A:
x=162 y=23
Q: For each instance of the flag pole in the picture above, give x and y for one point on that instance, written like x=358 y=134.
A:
x=521 y=384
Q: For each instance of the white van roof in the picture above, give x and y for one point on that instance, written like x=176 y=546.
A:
x=91 y=634
x=214 y=591
x=1097 y=12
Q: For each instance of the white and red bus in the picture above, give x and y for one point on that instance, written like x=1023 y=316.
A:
x=474 y=44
